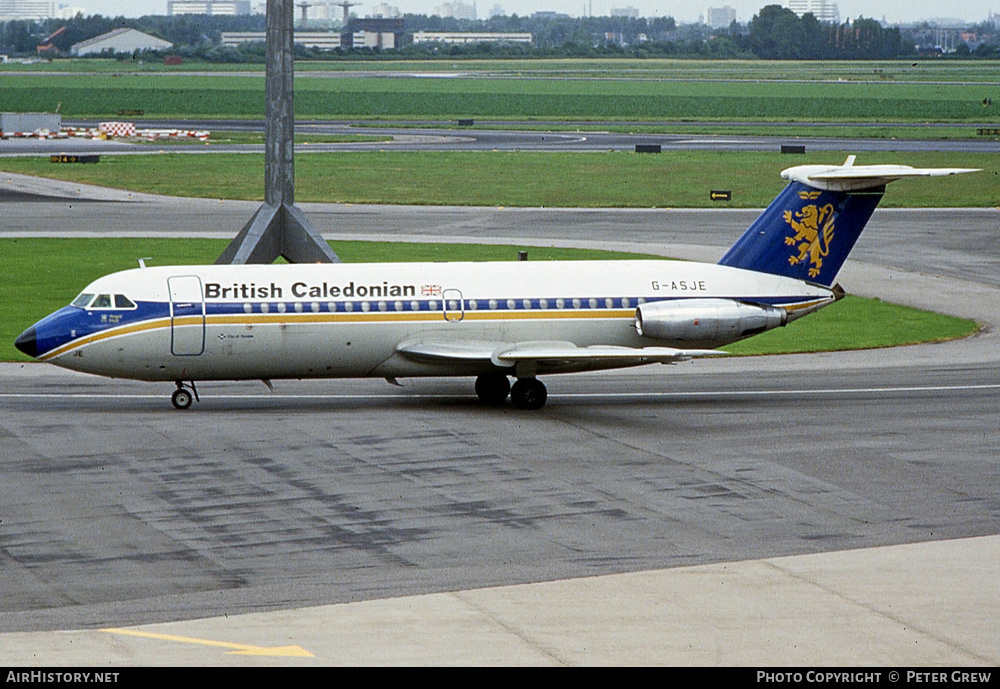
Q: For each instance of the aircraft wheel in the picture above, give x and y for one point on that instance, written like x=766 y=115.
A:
x=492 y=388
x=181 y=398
x=528 y=393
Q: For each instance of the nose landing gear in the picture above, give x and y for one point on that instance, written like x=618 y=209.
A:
x=182 y=398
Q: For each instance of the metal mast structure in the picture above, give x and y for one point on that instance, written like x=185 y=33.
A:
x=279 y=228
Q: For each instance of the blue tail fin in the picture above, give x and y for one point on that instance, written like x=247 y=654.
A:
x=806 y=233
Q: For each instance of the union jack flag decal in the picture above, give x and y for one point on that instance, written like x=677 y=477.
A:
x=430 y=290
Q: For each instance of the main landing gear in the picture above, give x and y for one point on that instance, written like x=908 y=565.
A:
x=182 y=397
x=493 y=389
x=526 y=393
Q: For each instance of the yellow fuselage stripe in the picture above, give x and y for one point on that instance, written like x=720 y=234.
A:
x=340 y=317
x=289 y=318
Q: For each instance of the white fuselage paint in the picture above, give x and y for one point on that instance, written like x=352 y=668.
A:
x=348 y=320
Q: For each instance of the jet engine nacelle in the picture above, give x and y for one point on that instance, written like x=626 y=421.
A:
x=709 y=322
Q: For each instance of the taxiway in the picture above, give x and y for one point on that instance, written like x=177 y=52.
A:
x=831 y=509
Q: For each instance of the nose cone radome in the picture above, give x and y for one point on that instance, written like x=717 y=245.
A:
x=27 y=342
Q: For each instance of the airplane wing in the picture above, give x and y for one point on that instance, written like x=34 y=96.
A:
x=466 y=351
x=547 y=356
x=567 y=351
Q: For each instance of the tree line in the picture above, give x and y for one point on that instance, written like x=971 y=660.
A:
x=774 y=33
x=777 y=33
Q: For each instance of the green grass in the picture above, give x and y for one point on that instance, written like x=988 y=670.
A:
x=42 y=275
x=856 y=323
x=599 y=90
x=921 y=70
x=680 y=179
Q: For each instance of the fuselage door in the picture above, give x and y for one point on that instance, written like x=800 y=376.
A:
x=453 y=305
x=187 y=315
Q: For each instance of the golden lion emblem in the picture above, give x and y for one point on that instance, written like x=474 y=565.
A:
x=813 y=227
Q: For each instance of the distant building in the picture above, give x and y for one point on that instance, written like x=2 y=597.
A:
x=456 y=10
x=370 y=39
x=120 y=41
x=314 y=12
x=470 y=37
x=373 y=32
x=630 y=12
x=823 y=10
x=212 y=7
x=497 y=11
x=320 y=40
x=68 y=11
x=26 y=9
x=720 y=17
x=386 y=11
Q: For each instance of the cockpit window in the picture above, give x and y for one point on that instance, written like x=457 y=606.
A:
x=83 y=300
x=103 y=301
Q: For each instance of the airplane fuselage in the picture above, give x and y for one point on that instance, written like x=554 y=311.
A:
x=342 y=320
x=489 y=320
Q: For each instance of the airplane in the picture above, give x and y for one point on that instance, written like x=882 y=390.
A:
x=191 y=323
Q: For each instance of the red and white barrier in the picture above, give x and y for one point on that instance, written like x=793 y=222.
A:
x=128 y=130
x=172 y=134
x=117 y=129
x=38 y=134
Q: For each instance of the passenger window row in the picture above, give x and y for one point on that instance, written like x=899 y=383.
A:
x=449 y=305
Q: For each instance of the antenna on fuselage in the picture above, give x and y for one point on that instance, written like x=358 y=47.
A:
x=279 y=228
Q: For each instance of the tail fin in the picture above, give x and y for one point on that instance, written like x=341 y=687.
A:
x=805 y=233
x=810 y=228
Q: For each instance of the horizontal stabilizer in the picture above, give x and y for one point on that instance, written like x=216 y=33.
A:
x=851 y=177
x=810 y=228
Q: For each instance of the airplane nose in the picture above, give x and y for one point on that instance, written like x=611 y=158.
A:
x=27 y=342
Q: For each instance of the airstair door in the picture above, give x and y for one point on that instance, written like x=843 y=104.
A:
x=187 y=315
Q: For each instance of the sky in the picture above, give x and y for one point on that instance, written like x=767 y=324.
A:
x=681 y=10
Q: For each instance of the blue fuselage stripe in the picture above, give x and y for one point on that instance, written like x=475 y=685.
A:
x=71 y=323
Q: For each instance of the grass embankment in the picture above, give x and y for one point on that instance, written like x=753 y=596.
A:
x=584 y=180
x=931 y=70
x=42 y=275
x=604 y=90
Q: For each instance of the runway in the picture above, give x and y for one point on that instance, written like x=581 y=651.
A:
x=832 y=509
